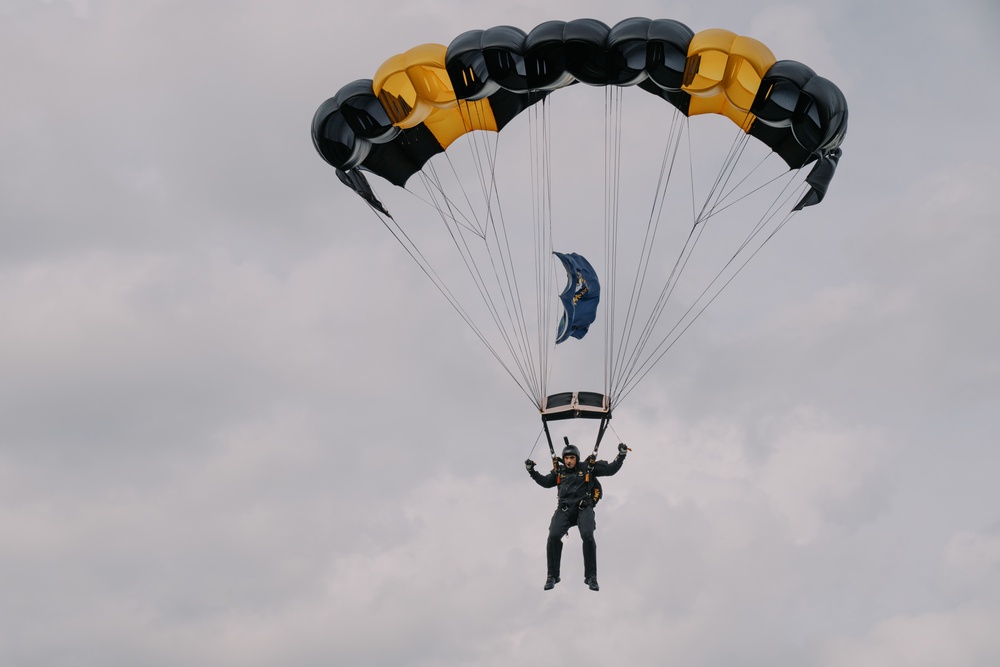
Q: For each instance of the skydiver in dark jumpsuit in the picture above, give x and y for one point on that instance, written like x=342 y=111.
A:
x=575 y=508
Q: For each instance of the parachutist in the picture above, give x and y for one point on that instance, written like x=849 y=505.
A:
x=579 y=491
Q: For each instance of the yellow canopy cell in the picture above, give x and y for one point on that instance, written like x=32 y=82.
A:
x=708 y=56
x=723 y=74
x=414 y=88
x=749 y=61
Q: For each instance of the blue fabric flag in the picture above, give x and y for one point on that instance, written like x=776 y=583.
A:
x=580 y=298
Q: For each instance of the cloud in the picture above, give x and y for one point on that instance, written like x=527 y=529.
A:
x=964 y=636
x=816 y=477
x=972 y=563
x=237 y=426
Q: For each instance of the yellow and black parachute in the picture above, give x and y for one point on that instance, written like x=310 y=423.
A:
x=425 y=99
x=420 y=101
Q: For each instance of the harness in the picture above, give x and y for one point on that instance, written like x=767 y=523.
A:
x=578 y=405
x=594 y=489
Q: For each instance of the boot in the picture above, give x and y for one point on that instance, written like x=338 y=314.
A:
x=592 y=582
x=551 y=582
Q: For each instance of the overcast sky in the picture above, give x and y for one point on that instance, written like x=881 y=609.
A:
x=238 y=426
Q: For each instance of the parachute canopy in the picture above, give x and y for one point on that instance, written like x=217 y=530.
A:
x=428 y=108
x=420 y=101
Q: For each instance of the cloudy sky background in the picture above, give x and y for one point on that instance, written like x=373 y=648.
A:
x=238 y=427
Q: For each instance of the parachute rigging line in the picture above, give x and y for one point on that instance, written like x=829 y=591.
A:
x=448 y=212
x=612 y=189
x=537 y=438
x=630 y=383
x=541 y=191
x=510 y=338
x=414 y=251
x=652 y=225
x=511 y=291
x=632 y=370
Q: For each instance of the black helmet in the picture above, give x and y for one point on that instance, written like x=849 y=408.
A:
x=571 y=450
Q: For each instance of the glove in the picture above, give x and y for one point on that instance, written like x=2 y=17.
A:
x=622 y=449
x=529 y=465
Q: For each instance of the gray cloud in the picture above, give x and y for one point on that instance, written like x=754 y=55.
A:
x=239 y=427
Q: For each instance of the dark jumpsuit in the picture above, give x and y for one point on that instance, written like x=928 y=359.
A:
x=575 y=508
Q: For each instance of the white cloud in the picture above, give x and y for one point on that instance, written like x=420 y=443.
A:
x=80 y=8
x=972 y=564
x=816 y=476
x=800 y=32
x=964 y=637
x=228 y=437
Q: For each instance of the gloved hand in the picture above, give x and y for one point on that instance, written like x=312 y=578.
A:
x=529 y=465
x=622 y=449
